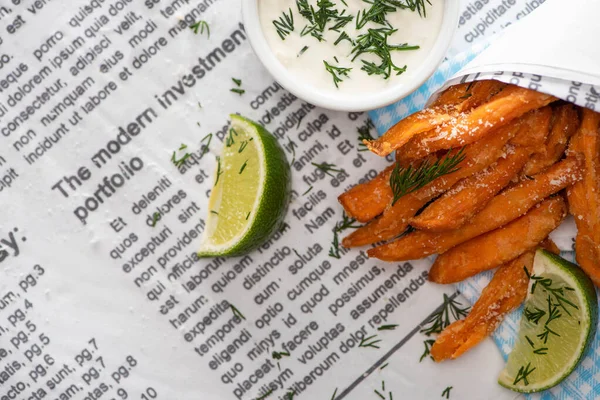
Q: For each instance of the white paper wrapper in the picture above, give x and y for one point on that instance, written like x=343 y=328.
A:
x=554 y=51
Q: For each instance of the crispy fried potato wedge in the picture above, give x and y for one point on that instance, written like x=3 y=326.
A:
x=502 y=209
x=452 y=96
x=510 y=103
x=505 y=292
x=468 y=197
x=395 y=218
x=367 y=200
x=564 y=125
x=482 y=253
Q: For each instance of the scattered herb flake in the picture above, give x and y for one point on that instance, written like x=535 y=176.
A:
x=243 y=167
x=370 y=341
x=236 y=312
x=307 y=191
x=201 y=25
x=337 y=73
x=237 y=81
x=446 y=392
x=523 y=374
x=302 y=51
x=238 y=91
x=327 y=168
x=155 y=218
x=427 y=352
x=387 y=327
x=284 y=25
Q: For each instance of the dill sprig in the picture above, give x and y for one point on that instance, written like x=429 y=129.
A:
x=370 y=341
x=341 y=21
x=201 y=25
x=534 y=316
x=523 y=374
x=285 y=24
x=541 y=351
x=343 y=36
x=237 y=81
x=427 y=352
x=289 y=395
x=155 y=218
x=327 y=168
x=337 y=73
x=264 y=396
x=530 y=341
x=557 y=292
x=441 y=319
x=278 y=355
x=243 y=146
x=379 y=394
x=387 y=327
x=214 y=212
x=334 y=393
x=238 y=91
x=345 y=223
x=383 y=366
x=219 y=172
x=248 y=215
x=446 y=392
x=302 y=51
x=546 y=334
x=375 y=42
x=406 y=180
x=236 y=312
x=364 y=133
x=205 y=147
x=307 y=191
x=243 y=167
x=179 y=162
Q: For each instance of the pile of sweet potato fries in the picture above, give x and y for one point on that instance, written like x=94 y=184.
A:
x=516 y=163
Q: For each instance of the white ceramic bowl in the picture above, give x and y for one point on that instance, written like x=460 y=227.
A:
x=344 y=101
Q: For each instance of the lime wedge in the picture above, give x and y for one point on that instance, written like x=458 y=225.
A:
x=559 y=320
x=251 y=192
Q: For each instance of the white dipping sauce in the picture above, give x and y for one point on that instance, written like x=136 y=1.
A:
x=309 y=67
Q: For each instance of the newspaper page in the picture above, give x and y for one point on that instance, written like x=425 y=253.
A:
x=102 y=295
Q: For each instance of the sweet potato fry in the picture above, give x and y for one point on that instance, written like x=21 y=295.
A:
x=583 y=196
x=590 y=144
x=534 y=129
x=480 y=93
x=505 y=207
x=395 y=219
x=419 y=122
x=505 y=292
x=510 y=103
x=452 y=96
x=565 y=123
x=481 y=253
x=444 y=109
x=549 y=245
x=459 y=205
x=468 y=197
x=367 y=200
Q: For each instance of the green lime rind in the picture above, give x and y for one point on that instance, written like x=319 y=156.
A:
x=585 y=328
x=269 y=210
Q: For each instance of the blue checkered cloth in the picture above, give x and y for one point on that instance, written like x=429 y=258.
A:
x=584 y=382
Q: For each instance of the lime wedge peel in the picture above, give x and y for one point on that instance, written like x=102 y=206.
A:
x=252 y=186
x=541 y=358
